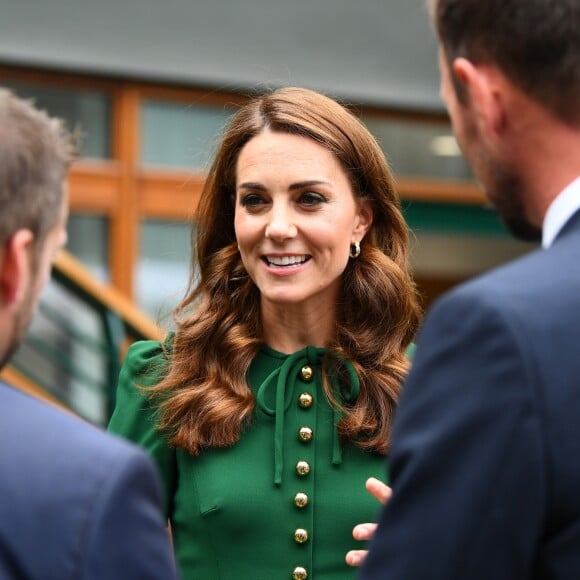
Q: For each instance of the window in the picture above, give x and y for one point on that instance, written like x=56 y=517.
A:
x=177 y=134
x=419 y=148
x=87 y=111
x=163 y=267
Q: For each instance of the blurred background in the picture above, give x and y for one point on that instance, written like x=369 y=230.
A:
x=151 y=84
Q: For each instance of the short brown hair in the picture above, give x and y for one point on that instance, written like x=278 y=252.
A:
x=35 y=153
x=536 y=43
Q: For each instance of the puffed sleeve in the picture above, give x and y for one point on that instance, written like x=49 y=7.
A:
x=136 y=416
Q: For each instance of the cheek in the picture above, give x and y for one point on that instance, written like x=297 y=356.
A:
x=339 y=232
x=342 y=256
x=248 y=229
x=42 y=277
x=240 y=231
x=246 y=239
x=239 y=226
x=237 y=220
x=336 y=243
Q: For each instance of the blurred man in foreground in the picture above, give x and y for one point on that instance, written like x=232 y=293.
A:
x=74 y=502
x=484 y=466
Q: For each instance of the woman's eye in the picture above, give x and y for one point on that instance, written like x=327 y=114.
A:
x=252 y=200
x=311 y=198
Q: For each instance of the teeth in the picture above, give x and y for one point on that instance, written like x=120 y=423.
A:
x=286 y=260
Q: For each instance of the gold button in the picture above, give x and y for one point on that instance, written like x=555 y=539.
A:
x=305 y=400
x=300 y=536
x=307 y=373
x=300 y=500
x=299 y=573
x=303 y=468
x=305 y=434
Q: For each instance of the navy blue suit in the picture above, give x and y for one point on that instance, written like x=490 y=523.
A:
x=75 y=503
x=485 y=464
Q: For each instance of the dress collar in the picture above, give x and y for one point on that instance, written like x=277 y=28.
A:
x=283 y=380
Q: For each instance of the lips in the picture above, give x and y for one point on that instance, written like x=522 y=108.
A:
x=286 y=261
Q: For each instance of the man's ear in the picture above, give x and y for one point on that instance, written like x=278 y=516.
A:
x=485 y=93
x=15 y=267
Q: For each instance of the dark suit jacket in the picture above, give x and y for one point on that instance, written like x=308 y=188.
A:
x=485 y=464
x=75 y=503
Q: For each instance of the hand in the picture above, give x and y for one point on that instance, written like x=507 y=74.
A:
x=363 y=532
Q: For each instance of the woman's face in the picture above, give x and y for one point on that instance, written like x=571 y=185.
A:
x=295 y=218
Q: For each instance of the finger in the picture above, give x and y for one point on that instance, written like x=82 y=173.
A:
x=378 y=489
x=364 y=532
x=356 y=557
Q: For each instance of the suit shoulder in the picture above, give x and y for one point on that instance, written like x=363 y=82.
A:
x=59 y=474
x=35 y=429
x=535 y=296
x=540 y=274
x=51 y=458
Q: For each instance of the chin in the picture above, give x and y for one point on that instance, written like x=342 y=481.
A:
x=283 y=299
x=507 y=194
x=522 y=229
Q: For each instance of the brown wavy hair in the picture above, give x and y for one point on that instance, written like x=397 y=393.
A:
x=205 y=400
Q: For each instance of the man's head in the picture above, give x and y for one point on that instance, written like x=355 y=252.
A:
x=535 y=43
x=35 y=152
x=491 y=51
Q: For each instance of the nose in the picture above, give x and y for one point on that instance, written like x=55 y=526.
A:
x=281 y=224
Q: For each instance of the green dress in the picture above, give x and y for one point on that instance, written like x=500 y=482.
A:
x=279 y=504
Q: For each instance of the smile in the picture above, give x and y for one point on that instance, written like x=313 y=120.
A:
x=286 y=261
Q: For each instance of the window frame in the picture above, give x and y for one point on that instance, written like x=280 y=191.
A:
x=125 y=192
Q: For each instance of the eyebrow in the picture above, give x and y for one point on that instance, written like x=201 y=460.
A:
x=293 y=186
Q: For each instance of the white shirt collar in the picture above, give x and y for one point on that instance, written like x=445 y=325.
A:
x=564 y=206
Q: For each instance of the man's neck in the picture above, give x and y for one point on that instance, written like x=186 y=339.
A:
x=549 y=158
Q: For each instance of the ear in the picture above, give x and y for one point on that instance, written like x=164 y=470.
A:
x=485 y=94
x=15 y=267
x=364 y=219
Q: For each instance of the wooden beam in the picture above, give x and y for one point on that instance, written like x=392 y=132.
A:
x=460 y=192
x=124 y=230
x=94 y=187
x=107 y=295
x=170 y=195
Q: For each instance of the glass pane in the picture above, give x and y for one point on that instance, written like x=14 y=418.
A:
x=419 y=148
x=462 y=254
x=163 y=268
x=87 y=241
x=181 y=135
x=64 y=353
x=89 y=111
x=453 y=218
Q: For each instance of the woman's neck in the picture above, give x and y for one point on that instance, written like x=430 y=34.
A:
x=291 y=327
